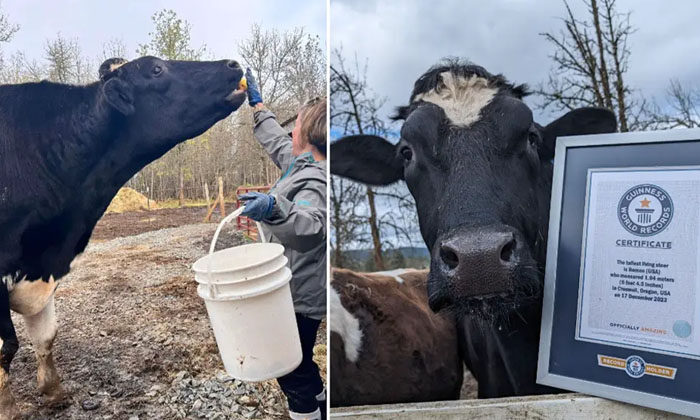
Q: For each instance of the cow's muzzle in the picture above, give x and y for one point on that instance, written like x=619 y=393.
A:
x=472 y=262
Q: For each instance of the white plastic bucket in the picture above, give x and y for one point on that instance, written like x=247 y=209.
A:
x=247 y=295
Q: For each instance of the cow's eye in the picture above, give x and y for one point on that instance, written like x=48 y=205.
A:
x=406 y=153
x=157 y=70
x=533 y=139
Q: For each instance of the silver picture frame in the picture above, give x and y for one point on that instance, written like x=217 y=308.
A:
x=544 y=375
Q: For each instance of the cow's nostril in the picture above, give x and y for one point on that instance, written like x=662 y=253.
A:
x=233 y=64
x=449 y=257
x=507 y=250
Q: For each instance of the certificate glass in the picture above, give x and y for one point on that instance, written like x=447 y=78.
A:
x=622 y=285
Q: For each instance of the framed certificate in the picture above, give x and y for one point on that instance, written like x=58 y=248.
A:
x=621 y=315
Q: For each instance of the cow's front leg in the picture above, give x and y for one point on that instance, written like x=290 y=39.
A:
x=8 y=348
x=42 y=328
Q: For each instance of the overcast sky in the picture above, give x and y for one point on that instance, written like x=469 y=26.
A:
x=402 y=38
x=218 y=24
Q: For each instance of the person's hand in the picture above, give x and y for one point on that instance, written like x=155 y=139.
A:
x=258 y=206
x=254 y=96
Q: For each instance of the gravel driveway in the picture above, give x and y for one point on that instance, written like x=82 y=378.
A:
x=134 y=340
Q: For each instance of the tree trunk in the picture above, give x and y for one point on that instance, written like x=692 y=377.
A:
x=614 y=41
x=150 y=192
x=603 y=70
x=374 y=228
x=181 y=193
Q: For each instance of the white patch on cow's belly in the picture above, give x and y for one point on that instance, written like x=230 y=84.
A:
x=30 y=297
x=346 y=325
x=461 y=98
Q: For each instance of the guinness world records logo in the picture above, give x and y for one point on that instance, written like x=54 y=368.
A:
x=645 y=210
x=635 y=366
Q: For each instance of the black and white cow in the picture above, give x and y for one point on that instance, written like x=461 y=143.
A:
x=64 y=152
x=480 y=169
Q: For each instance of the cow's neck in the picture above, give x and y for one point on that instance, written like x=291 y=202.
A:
x=125 y=157
x=503 y=356
x=86 y=123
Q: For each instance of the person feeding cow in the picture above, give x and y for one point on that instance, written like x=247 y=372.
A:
x=293 y=214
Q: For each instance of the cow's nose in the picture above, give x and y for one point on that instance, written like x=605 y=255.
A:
x=233 y=64
x=495 y=248
x=477 y=261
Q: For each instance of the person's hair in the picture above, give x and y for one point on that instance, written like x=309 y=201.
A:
x=313 y=123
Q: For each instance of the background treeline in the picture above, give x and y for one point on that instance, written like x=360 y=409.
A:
x=590 y=59
x=290 y=67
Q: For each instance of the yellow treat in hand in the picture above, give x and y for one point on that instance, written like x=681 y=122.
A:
x=243 y=84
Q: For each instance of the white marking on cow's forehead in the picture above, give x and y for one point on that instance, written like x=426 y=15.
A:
x=462 y=98
x=346 y=325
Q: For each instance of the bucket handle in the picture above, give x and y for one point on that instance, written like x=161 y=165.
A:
x=213 y=290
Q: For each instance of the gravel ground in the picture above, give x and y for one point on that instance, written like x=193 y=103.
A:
x=134 y=339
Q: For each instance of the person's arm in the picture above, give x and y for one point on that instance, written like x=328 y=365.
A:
x=300 y=224
x=267 y=130
x=273 y=138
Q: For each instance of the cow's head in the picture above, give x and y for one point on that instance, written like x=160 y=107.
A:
x=480 y=171
x=165 y=102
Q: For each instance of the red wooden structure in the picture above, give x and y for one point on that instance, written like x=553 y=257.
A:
x=244 y=224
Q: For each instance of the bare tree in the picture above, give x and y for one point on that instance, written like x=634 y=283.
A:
x=66 y=63
x=115 y=47
x=349 y=227
x=356 y=110
x=682 y=108
x=171 y=40
x=7 y=30
x=590 y=62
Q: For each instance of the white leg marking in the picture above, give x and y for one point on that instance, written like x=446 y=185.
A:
x=42 y=328
x=31 y=297
x=461 y=98
x=346 y=325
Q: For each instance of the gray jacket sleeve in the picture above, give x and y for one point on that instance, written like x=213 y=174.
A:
x=273 y=138
x=300 y=224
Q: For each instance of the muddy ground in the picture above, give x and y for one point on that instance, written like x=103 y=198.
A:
x=134 y=340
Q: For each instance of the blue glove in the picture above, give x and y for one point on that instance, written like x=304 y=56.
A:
x=258 y=206
x=254 y=96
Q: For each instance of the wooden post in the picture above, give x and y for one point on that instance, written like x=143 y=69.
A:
x=219 y=200
x=221 y=197
x=206 y=194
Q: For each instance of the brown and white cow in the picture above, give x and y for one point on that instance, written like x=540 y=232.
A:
x=387 y=346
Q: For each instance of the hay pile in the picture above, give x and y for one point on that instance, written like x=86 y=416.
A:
x=128 y=199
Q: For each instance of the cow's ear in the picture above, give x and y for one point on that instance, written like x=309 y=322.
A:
x=119 y=95
x=366 y=159
x=578 y=121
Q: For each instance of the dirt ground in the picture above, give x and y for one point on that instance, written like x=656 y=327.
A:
x=134 y=339
x=133 y=223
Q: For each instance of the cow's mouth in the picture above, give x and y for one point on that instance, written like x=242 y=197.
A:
x=238 y=95
x=488 y=307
